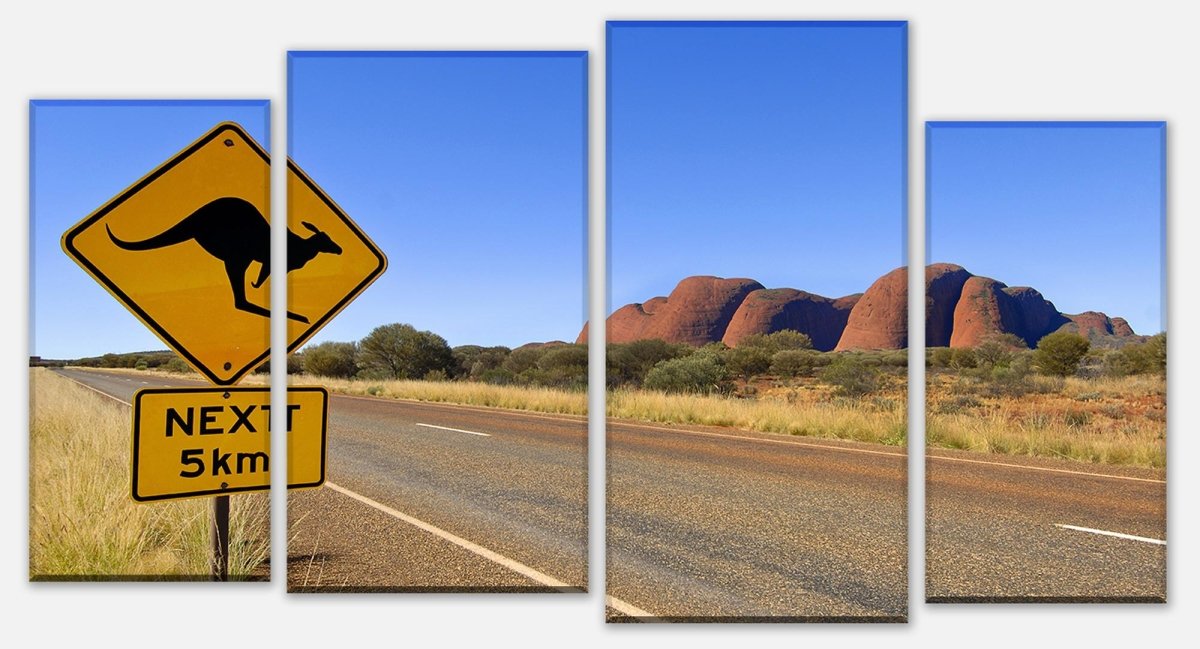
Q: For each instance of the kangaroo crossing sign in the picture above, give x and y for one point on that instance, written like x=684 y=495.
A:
x=187 y=249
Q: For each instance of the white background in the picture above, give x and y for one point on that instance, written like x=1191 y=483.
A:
x=968 y=60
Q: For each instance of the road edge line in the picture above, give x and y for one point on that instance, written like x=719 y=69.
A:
x=626 y=608
x=1119 y=535
x=1043 y=468
x=495 y=557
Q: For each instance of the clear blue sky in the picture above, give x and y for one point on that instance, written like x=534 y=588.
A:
x=1074 y=210
x=775 y=151
x=469 y=171
x=82 y=154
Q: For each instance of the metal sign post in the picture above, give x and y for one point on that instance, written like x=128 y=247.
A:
x=220 y=538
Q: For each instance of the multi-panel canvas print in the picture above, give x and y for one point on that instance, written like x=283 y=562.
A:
x=457 y=440
x=757 y=342
x=1046 y=362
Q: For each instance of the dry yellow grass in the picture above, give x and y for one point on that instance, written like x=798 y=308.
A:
x=1105 y=420
x=83 y=524
x=792 y=411
x=809 y=410
x=466 y=393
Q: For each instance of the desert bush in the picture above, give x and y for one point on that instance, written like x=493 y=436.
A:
x=778 y=341
x=997 y=350
x=629 y=362
x=699 y=373
x=472 y=361
x=334 y=359
x=851 y=375
x=962 y=358
x=939 y=357
x=795 y=362
x=1138 y=358
x=748 y=361
x=523 y=359
x=563 y=366
x=1059 y=353
x=176 y=364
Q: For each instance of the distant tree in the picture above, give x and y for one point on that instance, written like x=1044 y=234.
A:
x=564 y=366
x=399 y=351
x=333 y=359
x=473 y=361
x=523 y=359
x=178 y=365
x=295 y=365
x=997 y=350
x=629 y=362
x=1059 y=353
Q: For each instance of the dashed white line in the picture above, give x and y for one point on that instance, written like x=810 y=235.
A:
x=457 y=430
x=516 y=566
x=1119 y=535
x=630 y=610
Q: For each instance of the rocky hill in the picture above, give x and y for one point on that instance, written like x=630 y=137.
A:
x=961 y=310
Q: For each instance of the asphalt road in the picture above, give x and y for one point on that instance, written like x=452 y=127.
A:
x=703 y=524
x=996 y=533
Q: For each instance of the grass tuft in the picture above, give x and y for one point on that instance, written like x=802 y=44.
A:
x=83 y=524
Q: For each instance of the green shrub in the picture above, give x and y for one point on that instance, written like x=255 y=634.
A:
x=940 y=357
x=332 y=359
x=962 y=358
x=748 y=361
x=851 y=375
x=1138 y=358
x=701 y=373
x=794 y=362
x=629 y=362
x=472 y=361
x=1059 y=353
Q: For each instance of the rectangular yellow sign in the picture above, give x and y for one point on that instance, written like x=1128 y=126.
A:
x=190 y=442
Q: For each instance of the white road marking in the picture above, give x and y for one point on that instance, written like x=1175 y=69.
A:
x=1119 y=535
x=457 y=430
x=630 y=610
x=1042 y=468
x=515 y=566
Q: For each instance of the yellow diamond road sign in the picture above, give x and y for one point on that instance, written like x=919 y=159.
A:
x=216 y=441
x=187 y=250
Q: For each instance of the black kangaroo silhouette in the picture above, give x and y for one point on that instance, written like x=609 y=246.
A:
x=235 y=232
